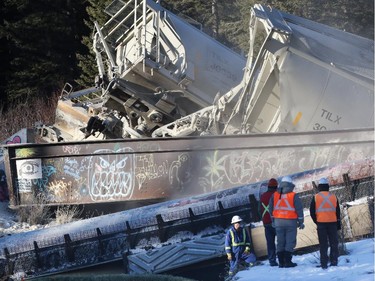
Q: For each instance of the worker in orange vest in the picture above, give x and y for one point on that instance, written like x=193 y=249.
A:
x=287 y=215
x=325 y=212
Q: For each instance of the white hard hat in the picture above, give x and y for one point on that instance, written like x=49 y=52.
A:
x=236 y=219
x=286 y=179
x=323 y=181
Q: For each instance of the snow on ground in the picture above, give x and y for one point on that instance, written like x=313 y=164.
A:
x=9 y=222
x=357 y=265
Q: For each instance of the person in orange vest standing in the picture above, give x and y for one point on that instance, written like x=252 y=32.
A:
x=287 y=215
x=269 y=230
x=325 y=212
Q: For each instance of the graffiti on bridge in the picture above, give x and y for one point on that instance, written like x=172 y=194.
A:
x=121 y=174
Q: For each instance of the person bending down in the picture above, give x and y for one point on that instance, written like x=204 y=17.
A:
x=237 y=246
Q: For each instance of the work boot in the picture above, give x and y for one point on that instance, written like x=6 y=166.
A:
x=273 y=263
x=333 y=262
x=288 y=260
x=280 y=256
x=250 y=264
x=230 y=276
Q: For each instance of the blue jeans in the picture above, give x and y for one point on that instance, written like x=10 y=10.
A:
x=239 y=256
x=270 y=233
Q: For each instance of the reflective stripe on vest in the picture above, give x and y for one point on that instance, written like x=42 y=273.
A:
x=283 y=208
x=265 y=206
x=266 y=209
x=325 y=207
x=243 y=243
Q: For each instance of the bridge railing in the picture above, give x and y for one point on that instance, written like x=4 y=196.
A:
x=110 y=243
x=194 y=221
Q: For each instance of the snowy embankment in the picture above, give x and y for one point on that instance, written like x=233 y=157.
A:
x=356 y=265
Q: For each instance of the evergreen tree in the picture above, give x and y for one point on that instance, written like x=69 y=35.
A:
x=237 y=28
x=4 y=58
x=229 y=16
x=199 y=10
x=215 y=16
x=41 y=39
x=87 y=61
x=356 y=17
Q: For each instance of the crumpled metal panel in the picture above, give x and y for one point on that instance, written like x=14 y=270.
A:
x=178 y=255
x=315 y=78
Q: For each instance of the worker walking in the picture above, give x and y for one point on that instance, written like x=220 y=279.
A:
x=237 y=246
x=325 y=212
x=269 y=230
x=287 y=215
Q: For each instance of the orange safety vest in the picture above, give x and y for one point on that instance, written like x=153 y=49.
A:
x=283 y=208
x=325 y=207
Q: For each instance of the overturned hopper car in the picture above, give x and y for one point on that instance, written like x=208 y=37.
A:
x=160 y=76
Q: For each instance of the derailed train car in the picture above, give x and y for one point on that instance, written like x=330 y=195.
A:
x=165 y=78
x=154 y=67
x=306 y=76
